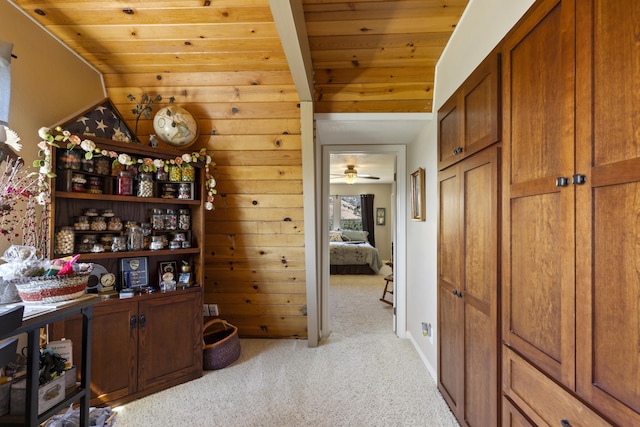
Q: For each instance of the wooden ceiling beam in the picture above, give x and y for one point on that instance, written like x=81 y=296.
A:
x=289 y=19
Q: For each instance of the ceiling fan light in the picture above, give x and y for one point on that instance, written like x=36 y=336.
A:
x=350 y=176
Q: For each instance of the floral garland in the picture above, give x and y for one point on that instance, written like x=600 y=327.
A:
x=144 y=164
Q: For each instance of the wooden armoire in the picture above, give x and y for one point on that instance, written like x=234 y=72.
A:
x=571 y=203
x=569 y=248
x=468 y=300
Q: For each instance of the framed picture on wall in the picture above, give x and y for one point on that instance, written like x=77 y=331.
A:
x=380 y=216
x=417 y=195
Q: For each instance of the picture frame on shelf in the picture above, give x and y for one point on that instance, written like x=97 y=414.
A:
x=134 y=272
x=168 y=268
x=417 y=195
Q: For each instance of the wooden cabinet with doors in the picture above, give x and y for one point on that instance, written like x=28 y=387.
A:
x=468 y=300
x=607 y=207
x=469 y=121
x=141 y=345
x=572 y=185
x=151 y=341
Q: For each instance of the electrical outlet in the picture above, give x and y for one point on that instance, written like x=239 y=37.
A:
x=426 y=329
x=213 y=310
x=205 y=310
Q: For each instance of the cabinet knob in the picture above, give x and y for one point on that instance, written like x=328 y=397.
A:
x=578 y=179
x=565 y=423
x=133 y=322
x=457 y=151
x=457 y=293
x=562 y=181
x=143 y=320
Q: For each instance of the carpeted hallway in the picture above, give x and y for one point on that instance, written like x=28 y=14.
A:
x=361 y=375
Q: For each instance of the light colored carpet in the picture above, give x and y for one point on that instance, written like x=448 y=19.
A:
x=361 y=375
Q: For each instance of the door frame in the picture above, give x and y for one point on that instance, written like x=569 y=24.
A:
x=398 y=205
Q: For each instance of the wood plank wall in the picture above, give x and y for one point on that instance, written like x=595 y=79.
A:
x=250 y=122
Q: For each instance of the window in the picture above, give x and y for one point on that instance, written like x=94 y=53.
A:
x=345 y=213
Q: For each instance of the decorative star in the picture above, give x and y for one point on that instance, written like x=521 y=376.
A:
x=83 y=119
x=100 y=125
x=101 y=108
x=118 y=135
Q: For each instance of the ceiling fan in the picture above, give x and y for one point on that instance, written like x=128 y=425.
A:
x=351 y=175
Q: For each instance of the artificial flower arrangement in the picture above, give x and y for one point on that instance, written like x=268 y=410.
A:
x=24 y=205
x=144 y=164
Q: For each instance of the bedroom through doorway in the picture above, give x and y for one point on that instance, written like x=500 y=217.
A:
x=356 y=268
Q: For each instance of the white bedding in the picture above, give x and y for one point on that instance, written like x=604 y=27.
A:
x=354 y=253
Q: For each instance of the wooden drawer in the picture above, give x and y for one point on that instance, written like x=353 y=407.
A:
x=512 y=417
x=543 y=401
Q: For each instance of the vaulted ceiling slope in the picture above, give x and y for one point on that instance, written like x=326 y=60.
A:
x=367 y=55
x=377 y=56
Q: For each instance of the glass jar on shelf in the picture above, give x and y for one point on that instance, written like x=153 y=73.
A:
x=188 y=172
x=175 y=173
x=157 y=219
x=87 y=165
x=65 y=240
x=94 y=185
x=125 y=184
x=157 y=243
x=184 y=191
x=184 y=219
x=162 y=175
x=119 y=244
x=82 y=223
x=102 y=165
x=114 y=224
x=107 y=241
x=78 y=183
x=135 y=239
x=145 y=185
x=98 y=223
x=170 y=219
x=69 y=159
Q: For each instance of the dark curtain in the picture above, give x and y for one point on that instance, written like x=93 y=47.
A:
x=368 y=221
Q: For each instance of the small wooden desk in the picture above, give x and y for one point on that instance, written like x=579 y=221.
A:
x=31 y=326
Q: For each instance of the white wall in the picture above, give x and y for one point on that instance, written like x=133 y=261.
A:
x=382 y=199
x=483 y=24
x=48 y=82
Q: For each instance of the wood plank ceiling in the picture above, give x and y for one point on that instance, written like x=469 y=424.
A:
x=367 y=55
x=225 y=61
x=377 y=56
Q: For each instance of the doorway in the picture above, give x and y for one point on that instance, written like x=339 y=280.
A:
x=397 y=202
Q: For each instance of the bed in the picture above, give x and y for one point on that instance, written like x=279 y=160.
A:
x=351 y=253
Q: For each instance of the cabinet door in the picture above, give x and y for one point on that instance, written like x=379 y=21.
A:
x=170 y=339
x=450 y=131
x=480 y=292
x=481 y=92
x=468 y=359
x=450 y=315
x=113 y=351
x=538 y=237
x=470 y=120
x=608 y=233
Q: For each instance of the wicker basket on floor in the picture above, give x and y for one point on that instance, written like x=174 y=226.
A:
x=221 y=344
